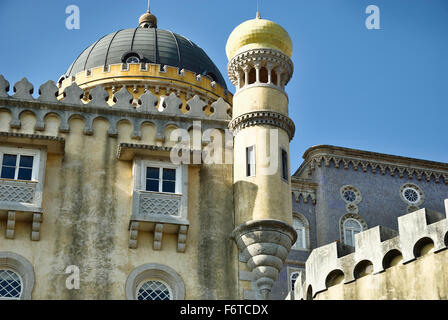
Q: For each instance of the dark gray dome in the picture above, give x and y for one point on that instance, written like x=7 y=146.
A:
x=150 y=45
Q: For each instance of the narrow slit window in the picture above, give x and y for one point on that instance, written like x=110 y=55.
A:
x=285 y=166
x=250 y=161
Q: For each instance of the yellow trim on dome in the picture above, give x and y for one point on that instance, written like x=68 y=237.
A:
x=258 y=33
x=116 y=76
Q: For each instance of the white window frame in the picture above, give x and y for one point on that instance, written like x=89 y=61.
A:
x=37 y=178
x=303 y=228
x=139 y=185
x=351 y=231
x=22 y=152
x=21 y=284
x=161 y=165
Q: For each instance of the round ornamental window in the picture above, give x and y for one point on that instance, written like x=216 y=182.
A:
x=133 y=59
x=411 y=195
x=349 y=196
x=154 y=290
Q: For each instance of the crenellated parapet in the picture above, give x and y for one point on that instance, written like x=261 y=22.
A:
x=160 y=110
x=143 y=77
x=376 y=250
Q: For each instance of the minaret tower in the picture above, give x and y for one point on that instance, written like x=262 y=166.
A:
x=260 y=66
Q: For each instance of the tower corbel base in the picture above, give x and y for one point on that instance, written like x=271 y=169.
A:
x=264 y=246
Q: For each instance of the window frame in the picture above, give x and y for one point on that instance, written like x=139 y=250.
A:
x=23 y=268
x=303 y=238
x=35 y=153
x=139 y=286
x=284 y=160
x=158 y=272
x=21 y=283
x=251 y=168
x=345 y=229
x=145 y=164
x=305 y=234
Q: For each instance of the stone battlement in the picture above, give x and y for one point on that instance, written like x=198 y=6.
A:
x=375 y=250
x=161 y=111
x=113 y=75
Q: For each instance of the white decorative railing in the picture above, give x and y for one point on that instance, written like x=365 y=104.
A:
x=156 y=204
x=17 y=191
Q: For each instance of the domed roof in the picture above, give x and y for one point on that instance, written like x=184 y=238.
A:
x=258 y=33
x=149 y=45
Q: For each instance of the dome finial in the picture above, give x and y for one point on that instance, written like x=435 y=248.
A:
x=258 y=11
x=148 y=20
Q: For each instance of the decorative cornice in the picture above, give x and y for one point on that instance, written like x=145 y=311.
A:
x=255 y=118
x=250 y=57
x=377 y=162
x=304 y=188
x=123 y=148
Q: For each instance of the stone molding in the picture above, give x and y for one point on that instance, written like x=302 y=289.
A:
x=303 y=188
x=23 y=267
x=376 y=162
x=274 y=58
x=374 y=245
x=256 y=118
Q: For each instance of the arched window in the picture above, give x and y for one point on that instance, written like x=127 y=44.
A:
x=351 y=227
x=11 y=285
x=16 y=277
x=293 y=279
x=301 y=230
x=132 y=59
x=155 y=290
x=154 y=282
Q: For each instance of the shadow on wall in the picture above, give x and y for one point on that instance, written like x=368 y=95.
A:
x=245 y=194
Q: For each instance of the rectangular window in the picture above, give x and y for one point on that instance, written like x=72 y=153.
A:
x=250 y=161
x=161 y=179
x=285 y=167
x=17 y=167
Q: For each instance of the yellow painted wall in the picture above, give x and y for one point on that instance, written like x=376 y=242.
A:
x=87 y=209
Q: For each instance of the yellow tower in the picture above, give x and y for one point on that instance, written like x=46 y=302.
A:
x=260 y=66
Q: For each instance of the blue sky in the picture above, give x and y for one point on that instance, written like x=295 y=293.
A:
x=379 y=90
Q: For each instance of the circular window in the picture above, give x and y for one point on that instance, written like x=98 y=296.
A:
x=10 y=285
x=349 y=195
x=411 y=195
x=154 y=290
x=133 y=59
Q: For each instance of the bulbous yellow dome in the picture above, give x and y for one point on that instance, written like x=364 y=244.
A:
x=258 y=33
